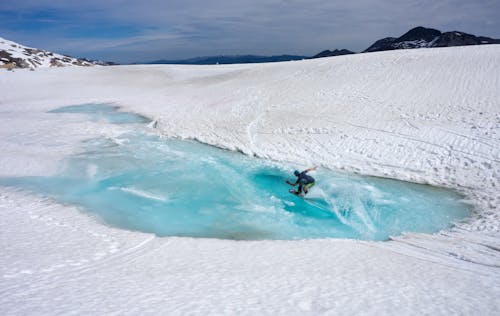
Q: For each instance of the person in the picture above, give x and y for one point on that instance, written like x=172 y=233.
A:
x=304 y=181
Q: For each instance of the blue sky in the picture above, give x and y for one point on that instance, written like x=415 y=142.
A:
x=131 y=31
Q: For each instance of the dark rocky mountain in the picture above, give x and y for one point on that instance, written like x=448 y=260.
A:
x=381 y=44
x=237 y=59
x=420 y=33
x=330 y=53
x=463 y=39
x=14 y=55
x=426 y=37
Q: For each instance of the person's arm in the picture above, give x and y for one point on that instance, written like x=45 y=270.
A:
x=310 y=169
x=292 y=184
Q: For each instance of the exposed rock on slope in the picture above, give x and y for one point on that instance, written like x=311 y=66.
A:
x=330 y=53
x=425 y=37
x=14 y=55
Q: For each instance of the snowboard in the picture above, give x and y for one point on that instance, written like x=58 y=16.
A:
x=296 y=193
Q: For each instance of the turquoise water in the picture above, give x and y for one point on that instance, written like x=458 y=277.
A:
x=170 y=187
x=103 y=112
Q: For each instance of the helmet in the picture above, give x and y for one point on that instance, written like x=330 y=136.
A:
x=296 y=173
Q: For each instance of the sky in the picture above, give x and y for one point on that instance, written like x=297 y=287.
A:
x=126 y=31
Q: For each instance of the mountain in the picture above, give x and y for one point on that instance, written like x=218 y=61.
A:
x=14 y=55
x=329 y=53
x=426 y=37
x=236 y=59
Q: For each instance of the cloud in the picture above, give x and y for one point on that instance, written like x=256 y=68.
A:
x=174 y=28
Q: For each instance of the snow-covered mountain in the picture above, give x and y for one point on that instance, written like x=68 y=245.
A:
x=425 y=37
x=14 y=55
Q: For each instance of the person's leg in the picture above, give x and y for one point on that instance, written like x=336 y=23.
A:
x=308 y=186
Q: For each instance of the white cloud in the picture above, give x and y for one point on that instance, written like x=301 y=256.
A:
x=193 y=27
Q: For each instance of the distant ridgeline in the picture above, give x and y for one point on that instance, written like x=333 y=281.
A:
x=419 y=37
x=248 y=59
x=236 y=59
x=14 y=55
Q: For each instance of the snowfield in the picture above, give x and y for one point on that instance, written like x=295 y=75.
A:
x=423 y=115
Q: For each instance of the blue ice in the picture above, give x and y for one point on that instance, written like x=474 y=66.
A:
x=170 y=187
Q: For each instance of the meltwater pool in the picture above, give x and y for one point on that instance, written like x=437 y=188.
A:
x=169 y=187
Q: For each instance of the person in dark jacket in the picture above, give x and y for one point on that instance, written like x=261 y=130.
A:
x=304 y=181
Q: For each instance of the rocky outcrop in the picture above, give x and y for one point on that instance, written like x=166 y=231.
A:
x=330 y=53
x=420 y=37
x=20 y=56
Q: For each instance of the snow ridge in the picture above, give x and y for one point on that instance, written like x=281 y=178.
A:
x=14 y=55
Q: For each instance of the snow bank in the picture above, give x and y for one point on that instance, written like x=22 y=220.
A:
x=427 y=115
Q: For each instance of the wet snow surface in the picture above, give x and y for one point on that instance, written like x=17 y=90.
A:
x=428 y=116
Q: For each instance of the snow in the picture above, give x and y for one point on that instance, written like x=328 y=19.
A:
x=428 y=116
x=35 y=58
